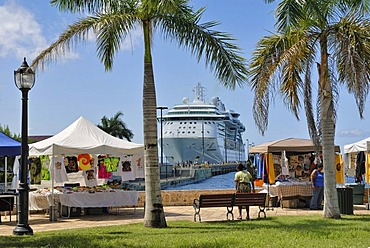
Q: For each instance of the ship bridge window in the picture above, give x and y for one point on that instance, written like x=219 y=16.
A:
x=190 y=122
x=195 y=122
x=188 y=131
x=183 y=132
x=193 y=132
x=180 y=122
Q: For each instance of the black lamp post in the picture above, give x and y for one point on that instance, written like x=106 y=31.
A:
x=162 y=108
x=24 y=79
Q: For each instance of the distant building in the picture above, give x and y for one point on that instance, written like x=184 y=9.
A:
x=37 y=138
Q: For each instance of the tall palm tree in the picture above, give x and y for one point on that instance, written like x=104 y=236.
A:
x=337 y=32
x=116 y=127
x=112 y=21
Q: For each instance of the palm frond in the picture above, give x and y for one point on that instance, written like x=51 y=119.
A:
x=75 y=33
x=289 y=13
x=352 y=50
x=89 y=6
x=111 y=30
x=281 y=59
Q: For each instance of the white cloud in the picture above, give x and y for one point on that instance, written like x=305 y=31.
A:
x=20 y=34
x=352 y=133
x=134 y=39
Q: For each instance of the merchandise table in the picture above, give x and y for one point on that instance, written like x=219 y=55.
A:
x=7 y=203
x=116 y=198
x=41 y=200
x=290 y=190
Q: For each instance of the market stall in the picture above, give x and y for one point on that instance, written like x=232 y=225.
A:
x=285 y=165
x=356 y=157
x=8 y=148
x=85 y=155
x=357 y=163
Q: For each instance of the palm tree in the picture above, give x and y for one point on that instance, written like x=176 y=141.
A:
x=116 y=127
x=112 y=22
x=338 y=33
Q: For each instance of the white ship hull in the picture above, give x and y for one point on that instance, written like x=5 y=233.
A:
x=201 y=132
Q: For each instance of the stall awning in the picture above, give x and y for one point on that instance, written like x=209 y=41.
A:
x=290 y=145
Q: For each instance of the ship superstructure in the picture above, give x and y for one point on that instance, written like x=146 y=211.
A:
x=197 y=132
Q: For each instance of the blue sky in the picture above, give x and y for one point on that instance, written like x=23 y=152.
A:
x=78 y=84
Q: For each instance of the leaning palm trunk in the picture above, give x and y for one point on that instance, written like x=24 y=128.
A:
x=154 y=214
x=331 y=206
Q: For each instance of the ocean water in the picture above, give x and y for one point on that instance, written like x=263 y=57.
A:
x=224 y=181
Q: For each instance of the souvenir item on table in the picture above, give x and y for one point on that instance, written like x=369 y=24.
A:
x=35 y=170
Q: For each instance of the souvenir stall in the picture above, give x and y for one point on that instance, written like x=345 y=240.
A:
x=284 y=167
x=74 y=166
x=357 y=164
x=357 y=159
x=8 y=148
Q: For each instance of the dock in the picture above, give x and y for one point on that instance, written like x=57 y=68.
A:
x=179 y=176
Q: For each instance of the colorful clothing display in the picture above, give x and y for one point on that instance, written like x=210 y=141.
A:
x=35 y=171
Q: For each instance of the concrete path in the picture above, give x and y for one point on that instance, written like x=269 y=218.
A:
x=41 y=222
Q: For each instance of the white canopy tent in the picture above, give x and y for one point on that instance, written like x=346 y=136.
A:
x=359 y=146
x=82 y=136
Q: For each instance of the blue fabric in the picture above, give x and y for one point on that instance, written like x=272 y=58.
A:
x=258 y=161
x=319 y=179
x=8 y=146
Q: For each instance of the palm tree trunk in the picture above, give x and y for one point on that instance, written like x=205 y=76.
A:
x=331 y=206
x=154 y=213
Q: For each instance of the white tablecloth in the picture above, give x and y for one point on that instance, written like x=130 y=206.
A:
x=100 y=199
x=43 y=200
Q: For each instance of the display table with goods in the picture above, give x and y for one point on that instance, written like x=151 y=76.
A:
x=290 y=192
x=72 y=199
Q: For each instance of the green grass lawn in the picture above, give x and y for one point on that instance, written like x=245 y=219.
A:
x=283 y=231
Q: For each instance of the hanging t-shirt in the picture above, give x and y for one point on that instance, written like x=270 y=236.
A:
x=125 y=170
x=111 y=164
x=102 y=172
x=35 y=170
x=84 y=161
x=70 y=164
x=138 y=165
x=90 y=178
x=45 y=163
x=60 y=174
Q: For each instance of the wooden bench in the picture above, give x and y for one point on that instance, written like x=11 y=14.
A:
x=229 y=201
x=251 y=199
x=216 y=200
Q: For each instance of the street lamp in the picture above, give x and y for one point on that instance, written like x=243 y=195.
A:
x=24 y=79
x=162 y=108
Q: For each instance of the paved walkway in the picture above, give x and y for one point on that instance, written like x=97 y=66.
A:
x=40 y=222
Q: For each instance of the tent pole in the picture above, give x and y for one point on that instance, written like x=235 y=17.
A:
x=6 y=175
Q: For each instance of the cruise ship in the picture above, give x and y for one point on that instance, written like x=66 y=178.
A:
x=201 y=132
